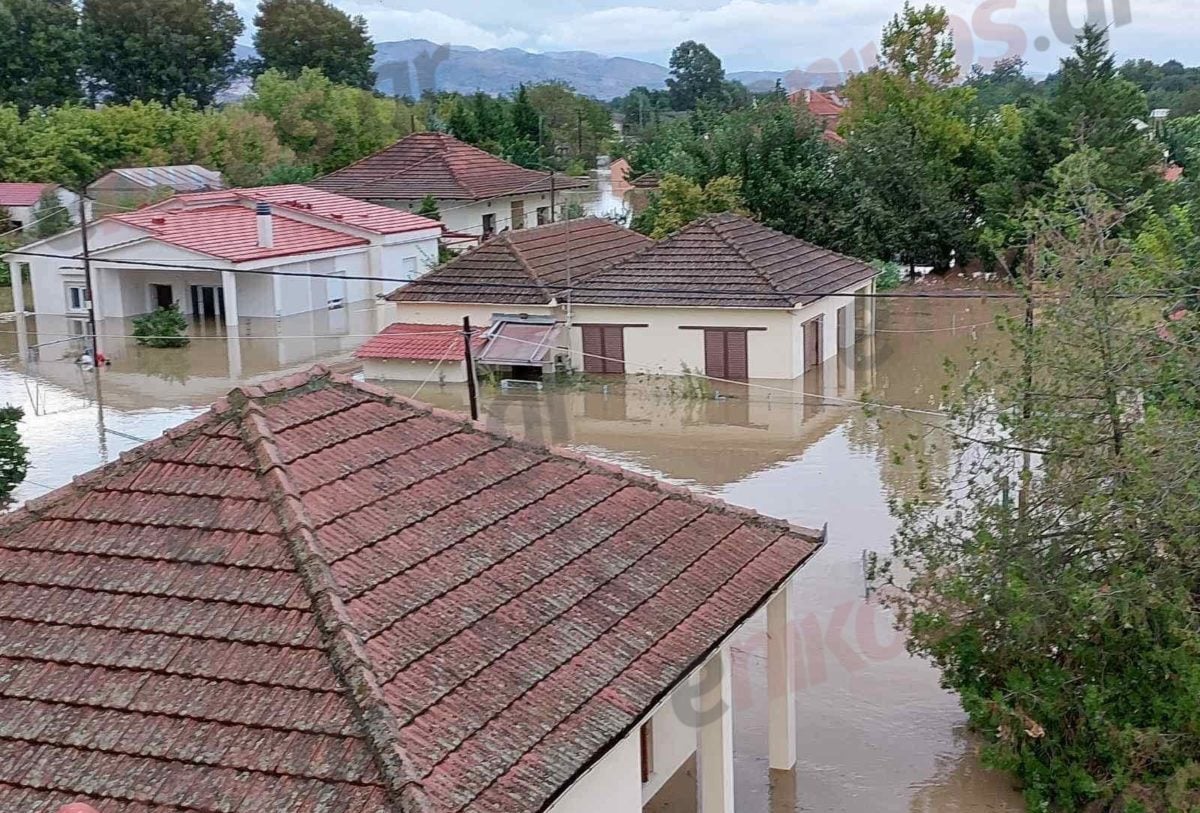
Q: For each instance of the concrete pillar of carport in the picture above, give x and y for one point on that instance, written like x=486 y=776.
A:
x=18 y=288
x=229 y=292
x=781 y=682
x=868 y=308
x=714 y=741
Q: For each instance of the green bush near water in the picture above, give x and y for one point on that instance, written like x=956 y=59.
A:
x=165 y=327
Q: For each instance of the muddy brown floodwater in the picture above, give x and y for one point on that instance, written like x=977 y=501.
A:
x=875 y=730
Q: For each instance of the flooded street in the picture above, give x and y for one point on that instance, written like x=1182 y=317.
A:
x=875 y=731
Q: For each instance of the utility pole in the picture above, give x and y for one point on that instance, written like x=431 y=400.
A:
x=579 y=131
x=470 y=362
x=93 y=341
x=552 y=196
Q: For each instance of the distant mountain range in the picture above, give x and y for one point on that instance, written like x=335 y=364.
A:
x=407 y=67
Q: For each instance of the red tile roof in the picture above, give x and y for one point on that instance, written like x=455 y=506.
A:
x=417 y=342
x=440 y=165
x=724 y=260
x=23 y=194
x=230 y=231
x=322 y=597
x=1172 y=173
x=337 y=209
x=527 y=266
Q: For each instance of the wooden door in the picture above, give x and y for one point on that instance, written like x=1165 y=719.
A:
x=603 y=349
x=812 y=342
x=726 y=354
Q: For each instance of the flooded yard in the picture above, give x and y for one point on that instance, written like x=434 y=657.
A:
x=875 y=731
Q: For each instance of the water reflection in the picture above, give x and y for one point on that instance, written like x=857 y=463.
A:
x=876 y=731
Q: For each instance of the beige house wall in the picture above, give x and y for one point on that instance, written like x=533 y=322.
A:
x=451 y=371
x=447 y=313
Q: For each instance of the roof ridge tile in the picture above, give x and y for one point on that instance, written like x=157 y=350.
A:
x=343 y=644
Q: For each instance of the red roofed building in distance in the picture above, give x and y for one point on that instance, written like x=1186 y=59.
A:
x=228 y=255
x=828 y=106
x=478 y=194
x=318 y=596
x=20 y=201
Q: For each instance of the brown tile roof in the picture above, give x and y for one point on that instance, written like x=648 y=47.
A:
x=440 y=165
x=321 y=597
x=527 y=266
x=724 y=260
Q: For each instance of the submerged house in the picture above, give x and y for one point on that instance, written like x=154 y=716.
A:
x=477 y=194
x=20 y=201
x=127 y=188
x=321 y=597
x=241 y=253
x=724 y=296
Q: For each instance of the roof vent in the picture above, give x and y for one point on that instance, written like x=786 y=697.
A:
x=266 y=228
x=158 y=220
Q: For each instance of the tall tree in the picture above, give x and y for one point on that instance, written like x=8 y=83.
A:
x=41 y=55
x=696 y=76
x=297 y=34
x=158 y=50
x=50 y=217
x=919 y=45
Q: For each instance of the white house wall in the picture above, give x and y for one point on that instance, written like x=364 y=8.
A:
x=612 y=785
x=466 y=217
x=451 y=371
x=672 y=741
x=662 y=348
x=444 y=313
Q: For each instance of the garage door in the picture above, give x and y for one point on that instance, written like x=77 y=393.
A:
x=604 y=349
x=725 y=354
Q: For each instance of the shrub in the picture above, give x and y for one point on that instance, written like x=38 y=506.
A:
x=890 y=275
x=165 y=327
x=14 y=455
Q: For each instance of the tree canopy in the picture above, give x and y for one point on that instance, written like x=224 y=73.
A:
x=293 y=35
x=158 y=50
x=42 y=55
x=696 y=76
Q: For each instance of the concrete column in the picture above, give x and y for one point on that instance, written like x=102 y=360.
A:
x=229 y=286
x=233 y=351
x=781 y=682
x=715 y=735
x=846 y=320
x=869 y=310
x=18 y=288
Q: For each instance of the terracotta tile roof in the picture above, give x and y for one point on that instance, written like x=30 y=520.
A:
x=440 y=165
x=724 y=260
x=321 y=597
x=822 y=105
x=527 y=266
x=23 y=194
x=417 y=342
x=1172 y=173
x=337 y=209
x=230 y=231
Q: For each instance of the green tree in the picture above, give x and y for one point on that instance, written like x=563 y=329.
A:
x=696 y=76
x=429 y=208
x=919 y=46
x=296 y=34
x=679 y=201
x=158 y=50
x=14 y=455
x=50 y=217
x=1056 y=589
x=42 y=56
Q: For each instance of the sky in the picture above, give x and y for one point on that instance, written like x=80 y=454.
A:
x=765 y=35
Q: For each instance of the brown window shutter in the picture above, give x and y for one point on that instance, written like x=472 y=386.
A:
x=714 y=353
x=593 y=348
x=614 y=350
x=737 y=362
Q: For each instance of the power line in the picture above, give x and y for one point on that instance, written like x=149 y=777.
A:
x=591 y=288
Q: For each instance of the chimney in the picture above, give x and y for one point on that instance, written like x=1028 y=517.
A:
x=266 y=230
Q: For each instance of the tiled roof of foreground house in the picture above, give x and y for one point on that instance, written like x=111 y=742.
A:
x=440 y=165
x=724 y=260
x=320 y=597
x=527 y=266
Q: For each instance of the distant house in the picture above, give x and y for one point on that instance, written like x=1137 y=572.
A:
x=320 y=597
x=827 y=106
x=129 y=187
x=227 y=255
x=478 y=194
x=415 y=352
x=20 y=200
x=724 y=296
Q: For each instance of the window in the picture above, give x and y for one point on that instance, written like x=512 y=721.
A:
x=725 y=354
x=77 y=298
x=604 y=349
x=647 y=742
x=813 y=329
x=489 y=225
x=335 y=289
x=408 y=268
x=543 y=215
x=517 y=214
